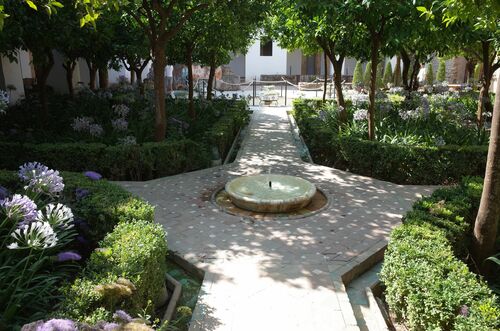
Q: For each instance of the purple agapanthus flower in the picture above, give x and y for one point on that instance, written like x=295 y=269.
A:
x=4 y=193
x=464 y=310
x=122 y=316
x=57 y=325
x=40 y=179
x=92 y=175
x=68 y=256
x=81 y=193
x=19 y=208
x=110 y=326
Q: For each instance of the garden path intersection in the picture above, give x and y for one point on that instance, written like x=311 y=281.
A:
x=282 y=274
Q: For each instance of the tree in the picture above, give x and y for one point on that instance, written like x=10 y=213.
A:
x=33 y=31
x=387 y=74
x=441 y=72
x=357 y=78
x=429 y=75
x=315 y=26
x=476 y=24
x=482 y=17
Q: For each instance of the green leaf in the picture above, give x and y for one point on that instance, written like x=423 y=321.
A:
x=57 y=4
x=31 y=4
x=422 y=9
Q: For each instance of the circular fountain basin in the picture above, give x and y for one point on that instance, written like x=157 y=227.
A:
x=270 y=193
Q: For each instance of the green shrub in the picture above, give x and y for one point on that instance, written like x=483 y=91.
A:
x=106 y=206
x=368 y=74
x=387 y=74
x=429 y=75
x=426 y=284
x=397 y=73
x=398 y=163
x=134 y=252
x=380 y=73
x=441 y=72
x=357 y=78
x=120 y=162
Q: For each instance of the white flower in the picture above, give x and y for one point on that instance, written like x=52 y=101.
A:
x=36 y=235
x=81 y=124
x=4 y=101
x=120 y=124
x=95 y=130
x=360 y=115
x=57 y=216
x=128 y=140
x=121 y=110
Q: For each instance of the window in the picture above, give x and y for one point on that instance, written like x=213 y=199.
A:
x=266 y=47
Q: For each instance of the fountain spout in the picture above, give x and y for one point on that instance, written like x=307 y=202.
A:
x=270 y=184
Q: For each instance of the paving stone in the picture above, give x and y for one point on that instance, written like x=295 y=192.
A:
x=283 y=274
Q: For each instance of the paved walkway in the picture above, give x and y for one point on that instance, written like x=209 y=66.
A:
x=281 y=274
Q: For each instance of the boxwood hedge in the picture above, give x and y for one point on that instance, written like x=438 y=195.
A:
x=427 y=284
x=395 y=163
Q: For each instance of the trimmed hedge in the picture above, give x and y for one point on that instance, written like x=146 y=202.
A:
x=121 y=162
x=427 y=285
x=127 y=272
x=395 y=163
x=106 y=206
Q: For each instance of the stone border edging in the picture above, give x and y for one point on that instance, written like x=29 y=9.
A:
x=298 y=137
x=176 y=289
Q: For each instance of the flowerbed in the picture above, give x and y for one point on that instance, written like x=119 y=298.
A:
x=414 y=154
x=427 y=284
x=50 y=230
x=111 y=132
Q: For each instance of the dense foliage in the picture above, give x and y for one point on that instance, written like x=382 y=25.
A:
x=109 y=132
x=428 y=286
x=423 y=140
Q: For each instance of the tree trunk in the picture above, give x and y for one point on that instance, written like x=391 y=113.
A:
x=132 y=77
x=469 y=71
x=397 y=72
x=337 y=81
x=189 y=63
x=414 y=75
x=42 y=71
x=373 y=86
x=92 y=74
x=159 y=64
x=406 y=69
x=103 y=78
x=484 y=102
x=211 y=77
x=2 y=77
x=486 y=225
x=69 y=67
x=325 y=85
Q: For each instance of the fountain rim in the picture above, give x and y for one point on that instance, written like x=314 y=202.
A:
x=307 y=195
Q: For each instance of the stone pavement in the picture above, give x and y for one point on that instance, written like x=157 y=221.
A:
x=284 y=274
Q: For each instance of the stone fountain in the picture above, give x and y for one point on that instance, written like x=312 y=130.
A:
x=270 y=193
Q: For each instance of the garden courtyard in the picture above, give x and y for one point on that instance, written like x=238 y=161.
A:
x=286 y=271
x=205 y=165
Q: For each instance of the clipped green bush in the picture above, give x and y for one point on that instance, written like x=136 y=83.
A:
x=441 y=72
x=398 y=163
x=429 y=75
x=127 y=272
x=427 y=285
x=368 y=74
x=397 y=73
x=105 y=206
x=357 y=78
x=387 y=74
x=380 y=74
x=120 y=162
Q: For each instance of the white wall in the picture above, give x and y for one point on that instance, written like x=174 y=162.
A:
x=294 y=63
x=14 y=72
x=256 y=65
